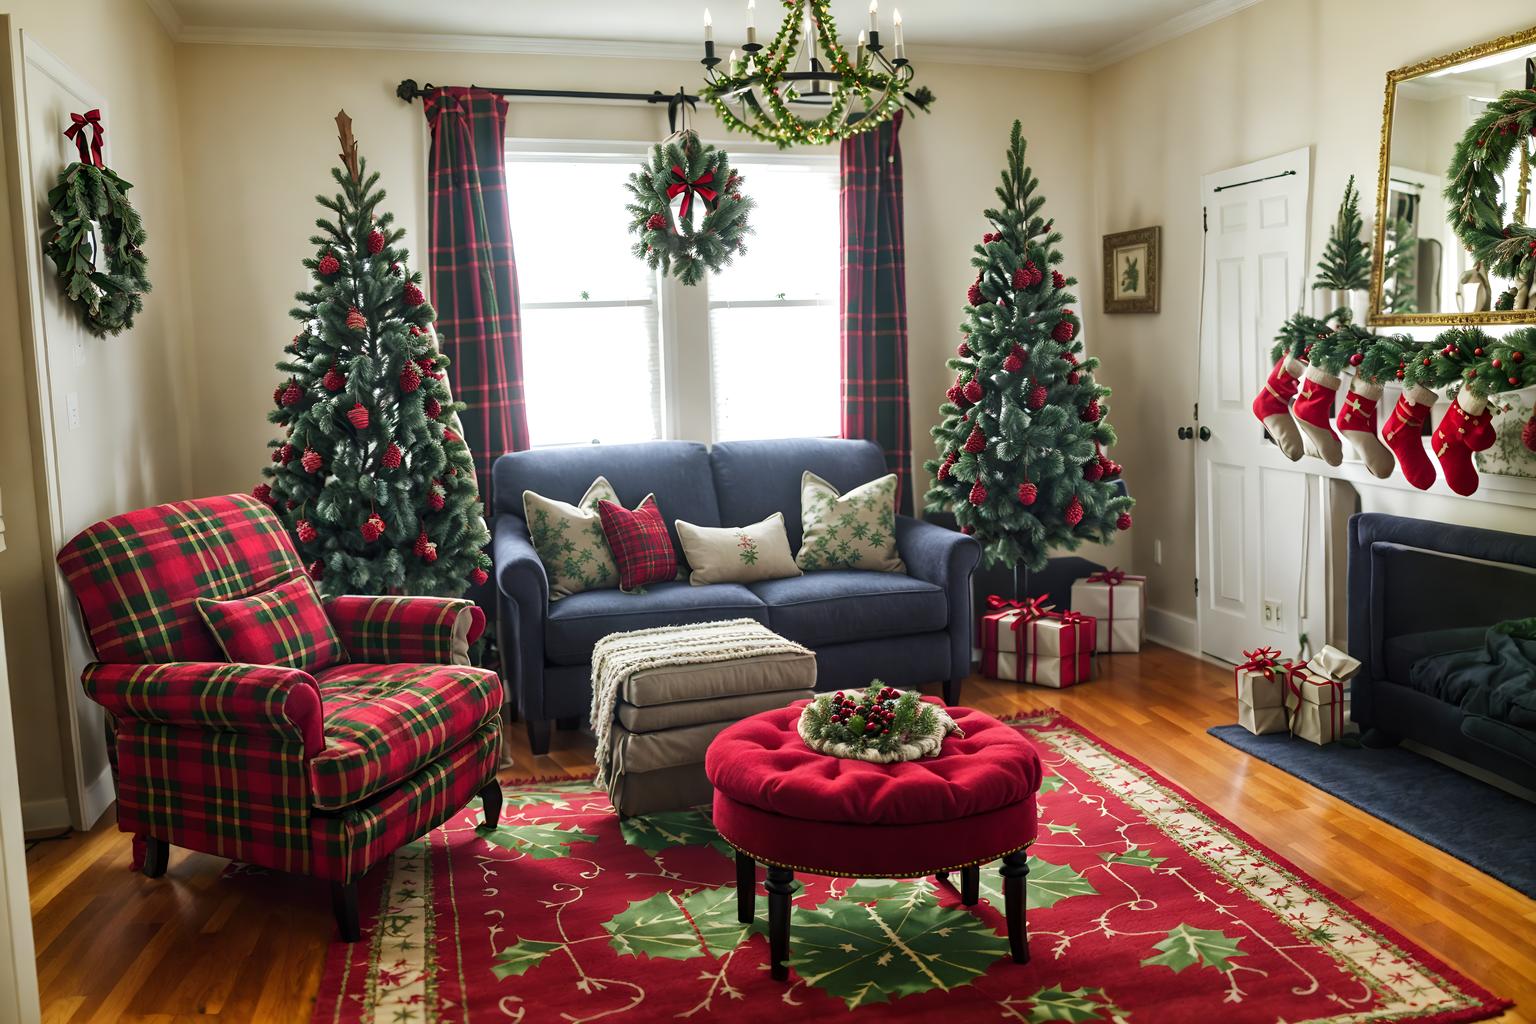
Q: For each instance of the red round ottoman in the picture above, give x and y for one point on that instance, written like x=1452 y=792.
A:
x=781 y=803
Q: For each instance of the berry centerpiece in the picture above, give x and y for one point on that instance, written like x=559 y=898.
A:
x=879 y=723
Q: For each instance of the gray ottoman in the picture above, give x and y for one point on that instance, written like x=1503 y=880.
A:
x=664 y=717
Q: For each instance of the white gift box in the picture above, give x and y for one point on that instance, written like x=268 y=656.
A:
x=1316 y=704
x=1054 y=650
x=1260 y=687
x=1119 y=602
x=1261 y=720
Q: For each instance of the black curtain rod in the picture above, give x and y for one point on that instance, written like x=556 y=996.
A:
x=408 y=90
x=1253 y=181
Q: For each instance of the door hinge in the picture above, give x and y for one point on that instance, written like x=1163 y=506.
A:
x=1205 y=219
x=1197 y=586
x=1197 y=412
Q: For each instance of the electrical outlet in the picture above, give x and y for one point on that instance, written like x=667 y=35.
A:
x=1157 y=552
x=72 y=406
x=1272 y=614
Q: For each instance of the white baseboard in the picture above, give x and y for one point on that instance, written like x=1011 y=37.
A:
x=1171 y=629
x=49 y=815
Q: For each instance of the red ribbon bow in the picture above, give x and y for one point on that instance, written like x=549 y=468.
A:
x=1114 y=577
x=76 y=132
x=1029 y=610
x=1071 y=618
x=1261 y=658
x=682 y=186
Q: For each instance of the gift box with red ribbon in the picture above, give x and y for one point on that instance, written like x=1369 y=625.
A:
x=1261 y=688
x=1316 y=698
x=1024 y=641
x=1118 y=600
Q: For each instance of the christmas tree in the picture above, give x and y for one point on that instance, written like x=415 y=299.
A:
x=1022 y=443
x=1346 y=262
x=371 y=474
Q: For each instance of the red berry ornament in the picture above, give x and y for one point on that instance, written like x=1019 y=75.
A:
x=306 y=531
x=375 y=242
x=1124 y=522
x=392 y=456
x=1057 y=281
x=1028 y=492
x=973 y=295
x=334 y=380
x=1064 y=330
x=311 y=461
x=1356 y=359
x=478 y=576
x=976 y=442
x=329 y=265
x=292 y=394
x=1012 y=364
x=413 y=295
x=1037 y=397
x=410 y=378
x=262 y=493
x=1092 y=470
x=373 y=527
x=1090 y=412
x=436 y=499
x=358 y=415
x=1074 y=512
x=978 y=493
x=432 y=409
x=972 y=391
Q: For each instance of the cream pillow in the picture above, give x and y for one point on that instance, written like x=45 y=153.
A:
x=856 y=530
x=738 y=554
x=570 y=541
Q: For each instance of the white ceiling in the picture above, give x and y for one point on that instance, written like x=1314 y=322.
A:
x=1078 y=34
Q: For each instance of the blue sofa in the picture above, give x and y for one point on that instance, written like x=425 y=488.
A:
x=904 y=629
x=1418 y=589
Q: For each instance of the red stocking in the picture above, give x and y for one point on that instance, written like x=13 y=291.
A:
x=1404 y=434
x=1314 y=412
x=1273 y=406
x=1466 y=427
x=1357 y=424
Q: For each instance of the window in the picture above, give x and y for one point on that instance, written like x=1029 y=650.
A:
x=612 y=352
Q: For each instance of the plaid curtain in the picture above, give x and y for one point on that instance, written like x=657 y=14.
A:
x=874 y=294
x=473 y=275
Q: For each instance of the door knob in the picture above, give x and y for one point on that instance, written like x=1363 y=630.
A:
x=1205 y=433
x=1185 y=433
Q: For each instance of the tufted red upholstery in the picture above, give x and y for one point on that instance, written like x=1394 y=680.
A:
x=762 y=762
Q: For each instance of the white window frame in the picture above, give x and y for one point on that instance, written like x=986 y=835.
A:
x=683 y=312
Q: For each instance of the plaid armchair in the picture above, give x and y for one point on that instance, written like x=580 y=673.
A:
x=323 y=774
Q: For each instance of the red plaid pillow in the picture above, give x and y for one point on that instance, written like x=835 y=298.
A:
x=285 y=625
x=640 y=543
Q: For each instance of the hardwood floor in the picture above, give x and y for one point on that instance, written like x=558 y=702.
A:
x=115 y=946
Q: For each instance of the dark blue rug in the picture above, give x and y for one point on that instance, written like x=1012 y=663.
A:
x=1468 y=819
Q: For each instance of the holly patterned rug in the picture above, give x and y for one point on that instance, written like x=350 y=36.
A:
x=1144 y=906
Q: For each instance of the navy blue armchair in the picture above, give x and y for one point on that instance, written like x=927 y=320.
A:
x=904 y=629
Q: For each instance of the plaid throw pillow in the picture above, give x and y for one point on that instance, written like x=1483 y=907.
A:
x=285 y=625
x=640 y=543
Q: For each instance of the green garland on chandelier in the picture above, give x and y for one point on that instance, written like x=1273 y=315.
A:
x=679 y=242
x=97 y=244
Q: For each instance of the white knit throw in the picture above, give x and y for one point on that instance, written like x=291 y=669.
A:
x=619 y=656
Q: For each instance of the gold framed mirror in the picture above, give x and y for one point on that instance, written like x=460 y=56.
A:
x=1421 y=274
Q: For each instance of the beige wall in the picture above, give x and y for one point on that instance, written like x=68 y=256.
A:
x=1279 y=75
x=134 y=442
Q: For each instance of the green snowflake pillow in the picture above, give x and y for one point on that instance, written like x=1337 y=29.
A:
x=856 y=530
x=738 y=554
x=570 y=541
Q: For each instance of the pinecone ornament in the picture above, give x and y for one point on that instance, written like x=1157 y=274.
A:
x=1037 y=397
x=478 y=576
x=1064 y=330
x=432 y=409
x=410 y=378
x=1057 y=281
x=262 y=493
x=949 y=460
x=412 y=294
x=311 y=461
x=436 y=499
x=292 y=394
x=1090 y=412
x=315 y=570
x=358 y=415
x=334 y=380
x=1028 y=492
x=355 y=320
x=306 y=531
x=978 y=493
x=373 y=527
x=329 y=265
x=972 y=391
x=655 y=222
x=1092 y=471
x=1074 y=511
x=284 y=454
x=424 y=545
x=973 y=295
x=964 y=351
x=976 y=442
x=375 y=242
x=1124 y=522
x=392 y=456
x=1012 y=364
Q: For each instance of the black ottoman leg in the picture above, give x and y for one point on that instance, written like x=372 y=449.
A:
x=344 y=904
x=781 y=883
x=970 y=885
x=746 y=888
x=157 y=854
x=1015 y=868
x=490 y=800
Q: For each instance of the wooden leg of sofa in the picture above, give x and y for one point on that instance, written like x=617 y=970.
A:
x=157 y=854
x=746 y=888
x=952 y=692
x=344 y=904
x=1015 y=868
x=970 y=885
x=538 y=735
x=780 y=885
x=490 y=799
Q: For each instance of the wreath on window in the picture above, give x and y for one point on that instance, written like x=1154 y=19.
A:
x=1503 y=132
x=688 y=208
x=97 y=241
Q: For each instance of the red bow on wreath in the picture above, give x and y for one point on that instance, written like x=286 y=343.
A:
x=76 y=132
x=682 y=186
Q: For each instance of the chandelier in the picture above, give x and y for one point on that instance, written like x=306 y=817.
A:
x=805 y=67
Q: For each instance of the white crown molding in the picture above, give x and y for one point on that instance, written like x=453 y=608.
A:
x=1207 y=13
x=1173 y=28
x=170 y=18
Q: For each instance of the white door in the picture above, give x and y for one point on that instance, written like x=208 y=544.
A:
x=1260 y=582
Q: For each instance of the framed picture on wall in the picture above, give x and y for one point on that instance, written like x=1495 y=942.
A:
x=1132 y=282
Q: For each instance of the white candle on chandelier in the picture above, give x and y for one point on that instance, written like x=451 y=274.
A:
x=709 y=27
x=901 y=39
x=751 y=22
x=874 y=11
x=731 y=63
x=862 y=42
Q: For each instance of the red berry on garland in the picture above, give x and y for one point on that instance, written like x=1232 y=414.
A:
x=413 y=295
x=262 y=493
x=435 y=498
x=329 y=265
x=1356 y=359
x=373 y=527
x=432 y=409
x=1028 y=492
x=1090 y=413
x=410 y=378
x=976 y=442
x=375 y=242
x=292 y=393
x=972 y=391
x=355 y=320
x=478 y=576
x=358 y=415
x=655 y=222
x=1037 y=397
x=1124 y=522
x=311 y=461
x=1064 y=330
x=1057 y=281
x=1012 y=364
x=392 y=456
x=1497 y=363
x=1092 y=471
x=978 y=494
x=334 y=380
x=964 y=351
x=428 y=365
x=1074 y=511
x=1427 y=360
x=306 y=531
x=973 y=295
x=1517 y=355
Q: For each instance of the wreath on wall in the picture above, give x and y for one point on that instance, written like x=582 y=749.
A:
x=97 y=241
x=707 y=225
x=1477 y=211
